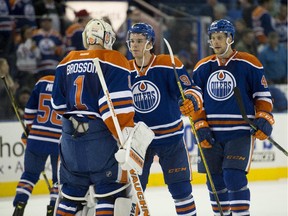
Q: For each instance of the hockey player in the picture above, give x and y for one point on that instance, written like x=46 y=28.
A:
x=43 y=130
x=88 y=141
x=229 y=158
x=155 y=97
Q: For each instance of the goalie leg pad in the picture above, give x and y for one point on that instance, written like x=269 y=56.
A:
x=135 y=148
x=125 y=206
x=141 y=139
x=122 y=206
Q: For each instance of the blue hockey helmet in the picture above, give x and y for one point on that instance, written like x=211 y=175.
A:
x=144 y=29
x=221 y=25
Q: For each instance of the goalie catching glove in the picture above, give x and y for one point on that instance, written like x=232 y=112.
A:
x=132 y=154
x=263 y=122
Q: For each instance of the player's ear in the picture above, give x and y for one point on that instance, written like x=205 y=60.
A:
x=230 y=38
x=149 y=46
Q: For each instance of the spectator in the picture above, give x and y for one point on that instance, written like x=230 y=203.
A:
x=274 y=59
x=247 y=42
x=262 y=21
x=6 y=108
x=240 y=26
x=51 y=47
x=25 y=12
x=220 y=12
x=6 y=28
x=55 y=9
x=208 y=8
x=74 y=31
x=281 y=23
x=247 y=7
x=22 y=97
x=28 y=54
x=133 y=16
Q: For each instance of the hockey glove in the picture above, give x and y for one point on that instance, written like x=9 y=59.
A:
x=189 y=105
x=263 y=122
x=25 y=135
x=204 y=134
x=132 y=155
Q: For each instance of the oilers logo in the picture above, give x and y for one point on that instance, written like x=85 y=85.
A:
x=146 y=96
x=220 y=85
x=47 y=46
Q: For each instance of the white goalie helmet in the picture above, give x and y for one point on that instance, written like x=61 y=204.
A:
x=98 y=32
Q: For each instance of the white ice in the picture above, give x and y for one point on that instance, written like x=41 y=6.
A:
x=268 y=198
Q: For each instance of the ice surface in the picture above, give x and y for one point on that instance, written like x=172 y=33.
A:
x=268 y=198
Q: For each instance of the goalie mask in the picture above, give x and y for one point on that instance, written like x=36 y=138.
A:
x=98 y=32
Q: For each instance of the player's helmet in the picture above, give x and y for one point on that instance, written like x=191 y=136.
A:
x=221 y=25
x=144 y=29
x=96 y=31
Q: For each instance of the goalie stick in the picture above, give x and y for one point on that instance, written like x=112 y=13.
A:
x=194 y=130
x=133 y=176
x=252 y=125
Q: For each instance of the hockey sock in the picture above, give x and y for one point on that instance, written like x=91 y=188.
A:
x=240 y=201
x=185 y=206
x=239 y=194
x=54 y=194
x=224 y=202
x=104 y=207
x=23 y=191
x=222 y=194
x=66 y=208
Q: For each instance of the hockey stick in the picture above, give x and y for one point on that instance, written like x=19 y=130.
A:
x=15 y=107
x=134 y=178
x=47 y=181
x=252 y=125
x=194 y=130
x=14 y=104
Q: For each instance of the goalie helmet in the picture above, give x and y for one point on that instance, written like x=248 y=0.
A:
x=98 y=32
x=144 y=29
x=222 y=26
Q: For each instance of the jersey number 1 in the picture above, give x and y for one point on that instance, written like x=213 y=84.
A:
x=79 y=83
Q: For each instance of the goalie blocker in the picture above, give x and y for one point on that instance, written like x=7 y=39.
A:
x=132 y=153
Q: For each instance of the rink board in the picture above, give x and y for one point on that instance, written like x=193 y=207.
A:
x=269 y=163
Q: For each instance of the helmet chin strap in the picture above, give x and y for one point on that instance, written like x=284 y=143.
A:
x=143 y=58
x=228 y=45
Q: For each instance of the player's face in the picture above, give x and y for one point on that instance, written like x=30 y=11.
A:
x=218 y=42
x=137 y=44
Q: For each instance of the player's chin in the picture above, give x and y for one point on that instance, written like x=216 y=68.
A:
x=136 y=54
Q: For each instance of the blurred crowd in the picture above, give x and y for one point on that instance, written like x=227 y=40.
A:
x=36 y=34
